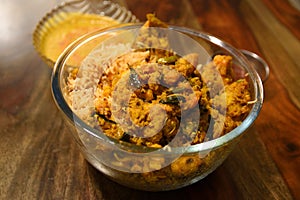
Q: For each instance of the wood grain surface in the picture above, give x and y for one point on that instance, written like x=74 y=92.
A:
x=40 y=160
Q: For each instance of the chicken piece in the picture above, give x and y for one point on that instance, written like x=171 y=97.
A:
x=186 y=165
x=237 y=98
x=224 y=65
x=153 y=21
x=151 y=37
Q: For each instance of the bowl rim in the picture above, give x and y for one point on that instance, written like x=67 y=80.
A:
x=201 y=147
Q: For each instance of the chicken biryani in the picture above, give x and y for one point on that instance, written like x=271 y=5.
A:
x=180 y=89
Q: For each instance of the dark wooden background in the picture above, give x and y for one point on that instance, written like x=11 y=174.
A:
x=40 y=160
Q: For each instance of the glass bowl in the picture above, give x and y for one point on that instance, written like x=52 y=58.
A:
x=61 y=13
x=141 y=167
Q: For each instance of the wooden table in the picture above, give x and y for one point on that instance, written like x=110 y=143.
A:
x=40 y=160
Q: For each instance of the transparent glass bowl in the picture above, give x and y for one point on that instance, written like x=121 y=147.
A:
x=164 y=169
x=59 y=14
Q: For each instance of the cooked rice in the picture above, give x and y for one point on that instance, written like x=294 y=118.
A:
x=83 y=88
